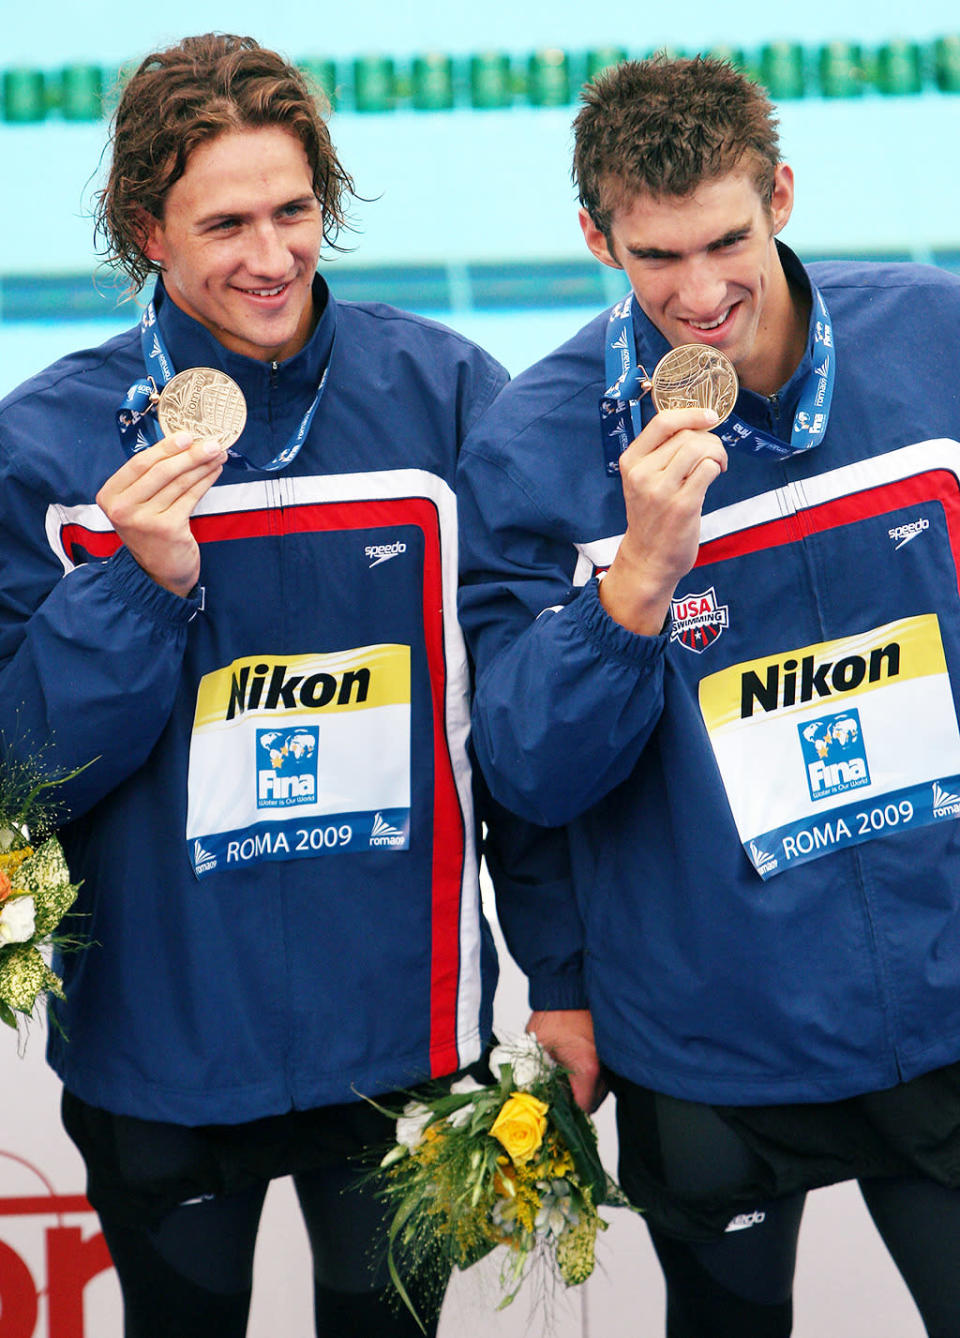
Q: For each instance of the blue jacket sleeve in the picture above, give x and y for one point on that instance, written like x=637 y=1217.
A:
x=89 y=659
x=566 y=697
x=529 y=867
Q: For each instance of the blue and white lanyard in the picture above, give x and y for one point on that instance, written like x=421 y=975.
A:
x=137 y=419
x=621 y=417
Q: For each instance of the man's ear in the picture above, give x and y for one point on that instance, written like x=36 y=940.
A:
x=150 y=238
x=781 y=201
x=597 y=241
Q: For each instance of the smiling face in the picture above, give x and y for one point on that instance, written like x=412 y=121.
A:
x=240 y=239
x=704 y=268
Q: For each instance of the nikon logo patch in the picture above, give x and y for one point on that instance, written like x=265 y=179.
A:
x=275 y=687
x=792 y=681
x=300 y=756
x=836 y=743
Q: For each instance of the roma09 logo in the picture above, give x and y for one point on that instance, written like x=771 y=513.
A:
x=51 y=1248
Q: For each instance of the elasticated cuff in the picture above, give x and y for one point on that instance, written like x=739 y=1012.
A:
x=141 y=592
x=610 y=637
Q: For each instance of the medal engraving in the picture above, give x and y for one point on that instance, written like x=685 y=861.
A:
x=695 y=376
x=205 y=402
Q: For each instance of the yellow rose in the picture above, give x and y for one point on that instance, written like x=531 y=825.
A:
x=520 y=1125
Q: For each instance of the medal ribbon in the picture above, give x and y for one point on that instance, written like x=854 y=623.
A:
x=621 y=415
x=137 y=419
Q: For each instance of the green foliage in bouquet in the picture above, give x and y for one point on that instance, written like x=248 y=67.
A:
x=35 y=889
x=513 y=1164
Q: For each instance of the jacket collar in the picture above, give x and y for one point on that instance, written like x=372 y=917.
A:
x=191 y=344
x=651 y=345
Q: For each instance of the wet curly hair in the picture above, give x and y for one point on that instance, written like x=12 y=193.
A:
x=186 y=95
x=662 y=126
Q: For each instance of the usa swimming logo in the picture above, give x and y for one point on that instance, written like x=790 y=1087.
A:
x=287 y=767
x=834 y=755
x=697 y=620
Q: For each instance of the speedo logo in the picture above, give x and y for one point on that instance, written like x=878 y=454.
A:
x=383 y=552
x=791 y=681
x=270 y=688
x=744 y=1220
x=904 y=533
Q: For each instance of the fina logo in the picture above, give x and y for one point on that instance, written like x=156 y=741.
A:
x=287 y=776
x=804 y=423
x=834 y=754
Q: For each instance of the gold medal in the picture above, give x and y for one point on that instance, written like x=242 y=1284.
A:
x=695 y=376
x=205 y=402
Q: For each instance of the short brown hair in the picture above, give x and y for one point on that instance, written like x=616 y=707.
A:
x=663 y=126
x=185 y=95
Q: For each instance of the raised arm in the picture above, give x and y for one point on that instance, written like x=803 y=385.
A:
x=570 y=679
x=90 y=657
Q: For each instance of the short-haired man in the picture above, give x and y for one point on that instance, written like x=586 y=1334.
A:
x=251 y=639
x=724 y=654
